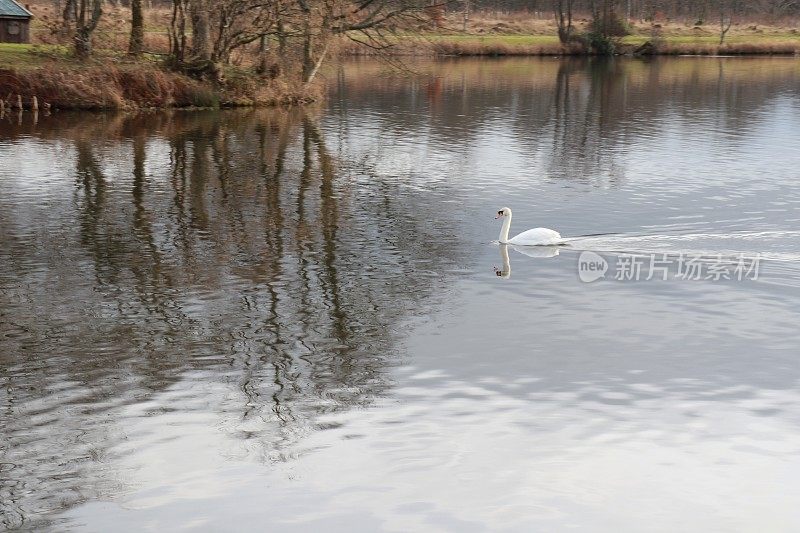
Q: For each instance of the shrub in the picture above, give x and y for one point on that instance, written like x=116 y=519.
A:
x=610 y=26
x=605 y=32
x=601 y=44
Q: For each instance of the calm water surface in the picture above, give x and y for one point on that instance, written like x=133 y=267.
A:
x=293 y=320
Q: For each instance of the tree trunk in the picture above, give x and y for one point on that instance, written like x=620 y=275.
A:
x=137 y=28
x=563 y=13
x=177 y=32
x=262 y=55
x=68 y=13
x=83 y=43
x=281 y=39
x=87 y=16
x=724 y=24
x=308 y=51
x=308 y=79
x=201 y=31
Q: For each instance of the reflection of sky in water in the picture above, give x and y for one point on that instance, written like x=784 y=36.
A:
x=220 y=349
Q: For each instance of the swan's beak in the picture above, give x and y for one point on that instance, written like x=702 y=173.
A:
x=498 y=216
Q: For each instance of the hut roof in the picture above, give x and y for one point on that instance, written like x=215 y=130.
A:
x=10 y=8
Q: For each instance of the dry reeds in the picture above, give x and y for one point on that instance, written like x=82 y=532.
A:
x=465 y=48
x=500 y=49
x=778 y=48
x=444 y=46
x=132 y=86
x=104 y=87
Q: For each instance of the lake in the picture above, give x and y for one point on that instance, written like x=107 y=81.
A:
x=300 y=320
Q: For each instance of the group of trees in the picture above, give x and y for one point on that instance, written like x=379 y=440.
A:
x=610 y=17
x=204 y=33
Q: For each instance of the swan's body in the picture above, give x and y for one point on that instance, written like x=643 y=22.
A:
x=532 y=237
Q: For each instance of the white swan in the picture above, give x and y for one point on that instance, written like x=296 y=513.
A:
x=532 y=237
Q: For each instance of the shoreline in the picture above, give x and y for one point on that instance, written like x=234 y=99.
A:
x=499 y=45
x=113 y=84
x=117 y=82
x=262 y=75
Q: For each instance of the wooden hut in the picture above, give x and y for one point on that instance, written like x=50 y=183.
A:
x=15 y=22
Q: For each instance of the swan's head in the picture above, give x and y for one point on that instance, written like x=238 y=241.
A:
x=505 y=212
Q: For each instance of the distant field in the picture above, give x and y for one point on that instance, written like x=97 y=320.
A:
x=520 y=34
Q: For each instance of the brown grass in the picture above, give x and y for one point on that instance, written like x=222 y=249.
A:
x=444 y=46
x=109 y=86
x=104 y=87
x=777 y=48
x=499 y=49
x=244 y=89
x=534 y=34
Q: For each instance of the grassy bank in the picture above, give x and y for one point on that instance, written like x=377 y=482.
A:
x=58 y=81
x=546 y=45
x=522 y=34
x=536 y=45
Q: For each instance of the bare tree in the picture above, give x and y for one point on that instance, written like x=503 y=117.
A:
x=725 y=19
x=371 y=23
x=218 y=27
x=562 y=10
x=177 y=32
x=199 y=14
x=221 y=26
x=604 y=16
x=86 y=15
x=136 y=44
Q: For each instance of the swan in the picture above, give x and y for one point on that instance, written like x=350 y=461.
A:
x=532 y=237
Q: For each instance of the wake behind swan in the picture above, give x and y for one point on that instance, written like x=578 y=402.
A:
x=771 y=245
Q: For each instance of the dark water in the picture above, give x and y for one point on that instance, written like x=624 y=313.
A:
x=291 y=320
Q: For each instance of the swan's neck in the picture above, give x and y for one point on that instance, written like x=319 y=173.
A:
x=505 y=228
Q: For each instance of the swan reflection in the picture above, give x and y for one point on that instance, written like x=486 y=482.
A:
x=530 y=251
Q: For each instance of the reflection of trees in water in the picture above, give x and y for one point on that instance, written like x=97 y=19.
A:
x=226 y=245
x=588 y=110
x=571 y=119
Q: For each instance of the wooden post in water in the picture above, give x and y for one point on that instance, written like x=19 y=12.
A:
x=34 y=104
x=19 y=102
